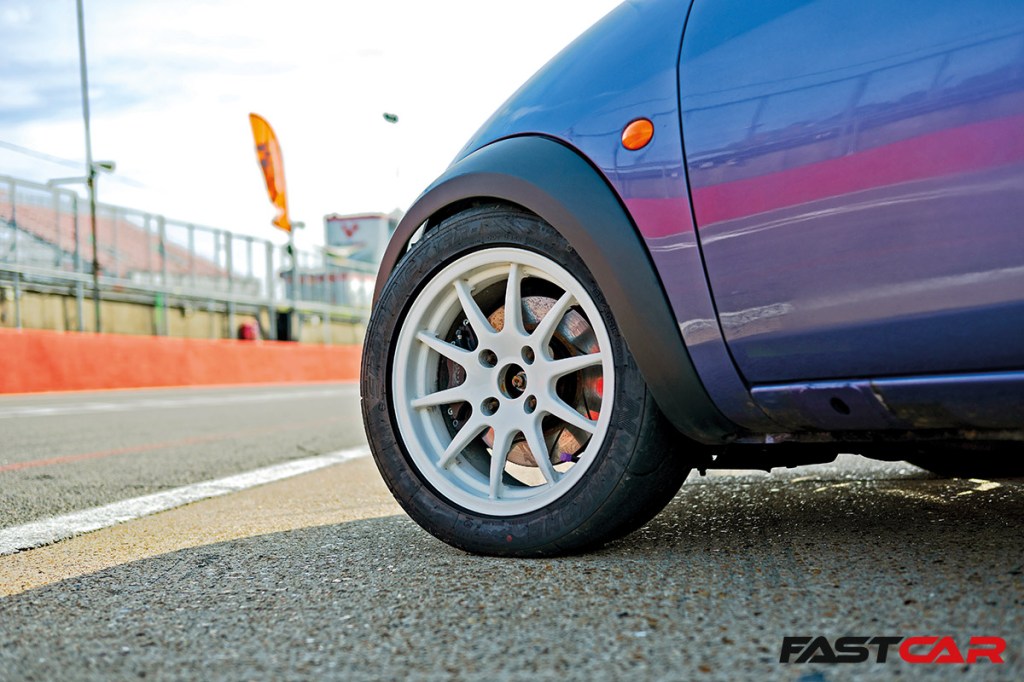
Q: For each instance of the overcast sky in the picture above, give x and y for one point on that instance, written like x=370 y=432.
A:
x=172 y=84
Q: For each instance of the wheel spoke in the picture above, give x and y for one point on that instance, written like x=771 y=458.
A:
x=530 y=361
x=456 y=394
x=539 y=450
x=462 y=438
x=477 y=319
x=557 y=368
x=448 y=350
x=513 y=300
x=556 y=407
x=547 y=325
x=499 y=455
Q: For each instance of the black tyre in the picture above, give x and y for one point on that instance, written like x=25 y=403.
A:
x=466 y=378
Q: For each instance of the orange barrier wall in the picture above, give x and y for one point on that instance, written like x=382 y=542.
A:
x=33 y=360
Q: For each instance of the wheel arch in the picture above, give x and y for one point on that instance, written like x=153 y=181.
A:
x=553 y=181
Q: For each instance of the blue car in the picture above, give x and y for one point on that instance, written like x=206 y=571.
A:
x=710 y=233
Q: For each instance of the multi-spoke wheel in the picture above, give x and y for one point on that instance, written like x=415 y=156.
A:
x=504 y=404
x=503 y=409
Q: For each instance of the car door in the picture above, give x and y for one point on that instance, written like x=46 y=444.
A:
x=857 y=178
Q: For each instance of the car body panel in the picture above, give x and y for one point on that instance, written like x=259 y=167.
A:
x=989 y=401
x=622 y=69
x=866 y=187
x=856 y=172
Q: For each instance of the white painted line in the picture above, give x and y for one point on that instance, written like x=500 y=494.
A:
x=48 y=531
x=168 y=403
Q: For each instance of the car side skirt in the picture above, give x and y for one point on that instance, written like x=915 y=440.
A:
x=986 y=401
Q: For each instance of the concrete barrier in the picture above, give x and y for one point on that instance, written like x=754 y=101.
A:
x=34 y=360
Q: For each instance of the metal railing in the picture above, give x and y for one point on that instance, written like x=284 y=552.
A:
x=45 y=245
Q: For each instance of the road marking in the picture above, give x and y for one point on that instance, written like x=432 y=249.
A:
x=47 y=531
x=983 y=486
x=168 y=403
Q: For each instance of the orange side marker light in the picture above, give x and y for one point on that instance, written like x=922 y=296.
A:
x=637 y=134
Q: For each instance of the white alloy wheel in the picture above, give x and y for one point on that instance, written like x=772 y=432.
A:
x=485 y=377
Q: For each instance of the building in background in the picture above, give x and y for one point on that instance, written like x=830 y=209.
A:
x=349 y=240
x=360 y=237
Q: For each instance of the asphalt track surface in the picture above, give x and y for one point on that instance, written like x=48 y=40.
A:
x=320 y=576
x=66 y=452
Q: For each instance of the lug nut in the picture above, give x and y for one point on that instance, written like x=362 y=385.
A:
x=490 y=406
x=519 y=380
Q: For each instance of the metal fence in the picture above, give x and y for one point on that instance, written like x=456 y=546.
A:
x=46 y=245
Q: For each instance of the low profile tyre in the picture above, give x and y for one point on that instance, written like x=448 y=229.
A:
x=503 y=409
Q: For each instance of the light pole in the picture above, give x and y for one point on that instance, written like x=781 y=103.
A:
x=90 y=168
x=294 y=319
x=95 y=168
x=392 y=119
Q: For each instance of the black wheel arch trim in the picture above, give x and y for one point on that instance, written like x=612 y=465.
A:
x=555 y=182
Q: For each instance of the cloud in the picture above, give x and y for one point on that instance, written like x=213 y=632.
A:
x=172 y=84
x=46 y=92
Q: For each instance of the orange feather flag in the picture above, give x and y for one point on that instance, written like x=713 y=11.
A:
x=268 y=152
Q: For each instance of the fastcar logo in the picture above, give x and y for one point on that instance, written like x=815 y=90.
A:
x=917 y=650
